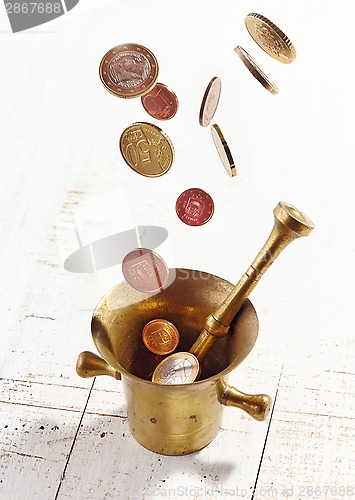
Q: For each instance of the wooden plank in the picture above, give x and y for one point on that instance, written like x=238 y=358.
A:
x=309 y=449
x=309 y=456
x=35 y=443
x=107 y=462
x=42 y=395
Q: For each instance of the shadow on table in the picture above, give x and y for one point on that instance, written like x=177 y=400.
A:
x=110 y=463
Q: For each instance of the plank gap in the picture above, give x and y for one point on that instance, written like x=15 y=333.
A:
x=73 y=443
x=267 y=434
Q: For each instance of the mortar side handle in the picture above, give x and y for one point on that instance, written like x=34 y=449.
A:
x=256 y=405
x=91 y=365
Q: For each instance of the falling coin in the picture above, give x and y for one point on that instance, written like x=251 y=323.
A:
x=160 y=102
x=255 y=70
x=270 y=38
x=160 y=336
x=223 y=150
x=145 y=271
x=179 y=368
x=194 y=207
x=210 y=101
x=129 y=70
x=147 y=149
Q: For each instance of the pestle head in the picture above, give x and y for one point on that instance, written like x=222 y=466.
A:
x=291 y=218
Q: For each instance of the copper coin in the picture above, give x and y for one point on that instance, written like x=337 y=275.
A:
x=129 y=70
x=160 y=102
x=160 y=336
x=145 y=271
x=194 y=207
x=178 y=368
x=210 y=101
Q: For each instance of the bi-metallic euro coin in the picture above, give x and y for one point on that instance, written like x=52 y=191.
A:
x=129 y=70
x=178 y=368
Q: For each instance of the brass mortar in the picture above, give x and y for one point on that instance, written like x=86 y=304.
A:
x=181 y=419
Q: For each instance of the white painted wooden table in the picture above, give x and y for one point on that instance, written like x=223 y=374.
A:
x=64 y=437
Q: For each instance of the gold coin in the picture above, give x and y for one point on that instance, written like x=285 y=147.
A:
x=255 y=70
x=178 y=368
x=160 y=336
x=223 y=150
x=270 y=38
x=147 y=149
x=128 y=70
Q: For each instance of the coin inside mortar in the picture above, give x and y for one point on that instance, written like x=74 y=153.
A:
x=178 y=368
x=160 y=336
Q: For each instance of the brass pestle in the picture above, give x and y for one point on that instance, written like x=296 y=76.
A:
x=289 y=224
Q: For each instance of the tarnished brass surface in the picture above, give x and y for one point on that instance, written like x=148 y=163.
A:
x=172 y=419
x=90 y=365
x=179 y=419
x=257 y=405
x=289 y=224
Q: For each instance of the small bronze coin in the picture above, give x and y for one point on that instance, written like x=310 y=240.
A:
x=160 y=336
x=194 y=207
x=147 y=149
x=145 y=270
x=255 y=70
x=223 y=150
x=160 y=102
x=178 y=368
x=210 y=101
x=129 y=70
x=270 y=38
